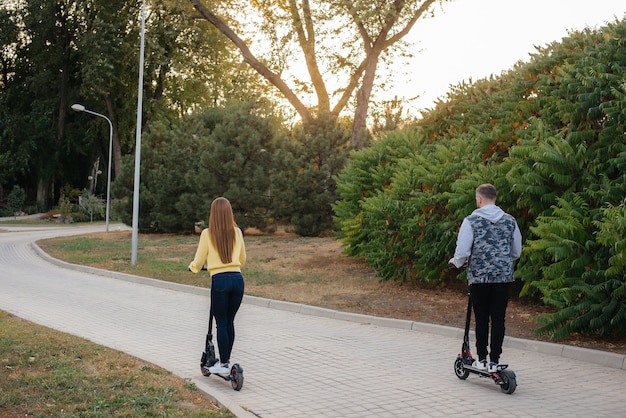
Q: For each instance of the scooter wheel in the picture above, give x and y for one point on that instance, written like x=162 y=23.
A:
x=459 y=369
x=205 y=371
x=236 y=377
x=509 y=383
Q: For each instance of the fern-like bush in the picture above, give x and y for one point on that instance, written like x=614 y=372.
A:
x=575 y=174
x=368 y=173
x=549 y=134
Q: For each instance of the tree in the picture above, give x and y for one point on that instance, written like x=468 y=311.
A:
x=342 y=39
x=54 y=54
x=109 y=65
x=186 y=164
x=91 y=205
x=9 y=39
x=14 y=151
x=107 y=48
x=45 y=67
x=576 y=175
x=370 y=169
x=306 y=187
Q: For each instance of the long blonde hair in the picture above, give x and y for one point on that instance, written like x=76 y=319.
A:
x=222 y=228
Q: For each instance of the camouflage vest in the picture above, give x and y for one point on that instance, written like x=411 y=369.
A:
x=491 y=260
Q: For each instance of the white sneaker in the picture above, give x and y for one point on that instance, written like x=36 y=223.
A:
x=480 y=364
x=219 y=368
x=493 y=367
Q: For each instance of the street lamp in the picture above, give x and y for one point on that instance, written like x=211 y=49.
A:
x=135 y=233
x=80 y=108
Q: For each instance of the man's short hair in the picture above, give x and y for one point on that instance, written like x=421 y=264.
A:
x=487 y=191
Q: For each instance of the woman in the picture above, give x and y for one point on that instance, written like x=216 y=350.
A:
x=222 y=248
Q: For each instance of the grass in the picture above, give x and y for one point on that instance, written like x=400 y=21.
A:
x=163 y=257
x=46 y=373
x=166 y=257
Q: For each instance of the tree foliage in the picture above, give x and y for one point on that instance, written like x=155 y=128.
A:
x=55 y=54
x=305 y=180
x=367 y=171
x=220 y=152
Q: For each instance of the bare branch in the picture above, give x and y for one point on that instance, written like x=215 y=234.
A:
x=307 y=43
x=347 y=93
x=249 y=58
x=405 y=31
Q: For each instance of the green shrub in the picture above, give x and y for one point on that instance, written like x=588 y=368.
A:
x=367 y=172
x=91 y=207
x=219 y=152
x=310 y=163
x=66 y=207
x=16 y=199
x=549 y=134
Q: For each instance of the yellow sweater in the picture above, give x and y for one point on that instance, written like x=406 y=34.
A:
x=207 y=253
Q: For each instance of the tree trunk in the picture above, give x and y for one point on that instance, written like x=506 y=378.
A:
x=117 y=147
x=306 y=39
x=362 y=104
x=42 y=197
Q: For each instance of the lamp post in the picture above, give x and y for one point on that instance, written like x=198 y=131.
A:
x=80 y=108
x=135 y=233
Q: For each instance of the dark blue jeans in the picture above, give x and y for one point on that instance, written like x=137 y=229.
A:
x=489 y=301
x=226 y=296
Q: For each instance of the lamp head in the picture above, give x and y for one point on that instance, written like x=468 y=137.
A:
x=78 y=107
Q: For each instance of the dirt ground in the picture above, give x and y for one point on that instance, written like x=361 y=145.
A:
x=315 y=271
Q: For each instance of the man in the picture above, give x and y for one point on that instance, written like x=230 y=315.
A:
x=488 y=242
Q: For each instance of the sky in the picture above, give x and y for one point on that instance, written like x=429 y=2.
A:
x=476 y=38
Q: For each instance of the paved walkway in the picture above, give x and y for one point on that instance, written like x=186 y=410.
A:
x=300 y=361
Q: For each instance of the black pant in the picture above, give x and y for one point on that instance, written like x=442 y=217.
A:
x=489 y=301
x=226 y=296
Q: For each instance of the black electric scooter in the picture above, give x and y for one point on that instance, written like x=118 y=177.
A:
x=235 y=377
x=463 y=364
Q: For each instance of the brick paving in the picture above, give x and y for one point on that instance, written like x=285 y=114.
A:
x=300 y=361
